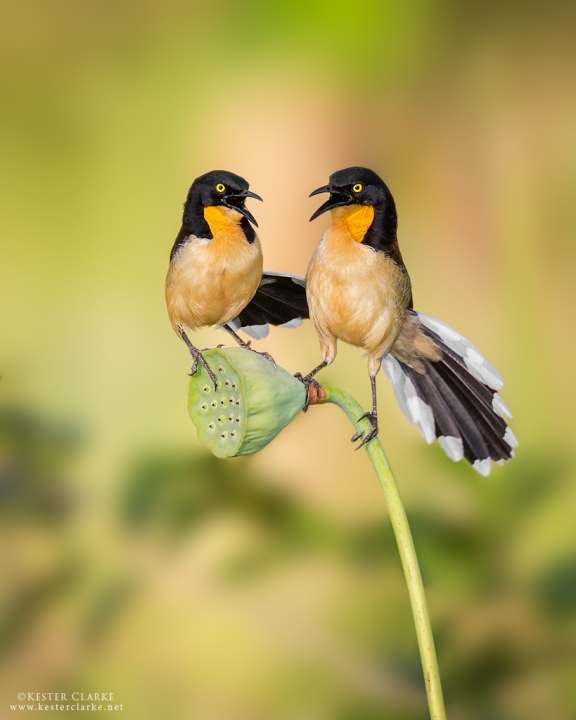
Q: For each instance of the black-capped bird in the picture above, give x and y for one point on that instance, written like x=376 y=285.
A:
x=215 y=275
x=359 y=291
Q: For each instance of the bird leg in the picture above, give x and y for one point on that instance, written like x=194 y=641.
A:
x=372 y=416
x=246 y=345
x=198 y=357
x=308 y=380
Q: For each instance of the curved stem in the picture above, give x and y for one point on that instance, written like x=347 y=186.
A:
x=405 y=547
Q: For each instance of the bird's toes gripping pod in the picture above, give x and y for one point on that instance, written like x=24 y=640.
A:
x=254 y=401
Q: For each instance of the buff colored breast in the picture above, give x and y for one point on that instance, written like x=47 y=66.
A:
x=355 y=294
x=210 y=281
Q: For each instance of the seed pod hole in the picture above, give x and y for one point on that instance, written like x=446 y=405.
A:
x=251 y=403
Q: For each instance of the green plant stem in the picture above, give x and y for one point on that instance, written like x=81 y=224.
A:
x=405 y=547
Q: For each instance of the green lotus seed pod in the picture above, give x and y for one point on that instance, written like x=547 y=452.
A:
x=254 y=401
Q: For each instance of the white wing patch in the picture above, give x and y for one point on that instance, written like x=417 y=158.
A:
x=234 y=324
x=479 y=367
x=295 y=278
x=258 y=332
x=296 y=322
x=255 y=331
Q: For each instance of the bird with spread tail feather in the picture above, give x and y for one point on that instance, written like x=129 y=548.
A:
x=359 y=291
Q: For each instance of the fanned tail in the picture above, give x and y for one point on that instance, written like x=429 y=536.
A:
x=280 y=300
x=451 y=395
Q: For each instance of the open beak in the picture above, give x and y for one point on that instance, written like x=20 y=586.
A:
x=319 y=191
x=239 y=205
x=335 y=200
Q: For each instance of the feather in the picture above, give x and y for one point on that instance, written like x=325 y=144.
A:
x=280 y=300
x=457 y=392
x=413 y=406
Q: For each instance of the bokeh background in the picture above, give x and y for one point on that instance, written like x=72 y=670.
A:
x=269 y=587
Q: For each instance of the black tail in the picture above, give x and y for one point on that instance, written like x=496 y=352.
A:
x=280 y=300
x=455 y=399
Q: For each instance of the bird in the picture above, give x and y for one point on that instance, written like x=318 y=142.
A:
x=359 y=291
x=215 y=275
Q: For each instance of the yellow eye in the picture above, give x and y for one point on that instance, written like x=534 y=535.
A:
x=357 y=188
x=220 y=188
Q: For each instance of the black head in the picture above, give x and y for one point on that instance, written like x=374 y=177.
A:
x=355 y=186
x=218 y=187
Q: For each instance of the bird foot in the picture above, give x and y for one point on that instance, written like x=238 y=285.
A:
x=198 y=357
x=248 y=346
x=314 y=393
x=371 y=433
x=265 y=355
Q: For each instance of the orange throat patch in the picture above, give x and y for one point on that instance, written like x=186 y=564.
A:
x=217 y=218
x=358 y=220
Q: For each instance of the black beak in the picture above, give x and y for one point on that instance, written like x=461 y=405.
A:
x=319 y=191
x=335 y=200
x=239 y=205
x=249 y=193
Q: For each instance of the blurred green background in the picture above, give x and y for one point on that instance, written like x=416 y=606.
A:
x=269 y=587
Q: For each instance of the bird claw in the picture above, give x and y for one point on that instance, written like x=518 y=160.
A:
x=311 y=396
x=198 y=357
x=248 y=346
x=265 y=355
x=370 y=434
